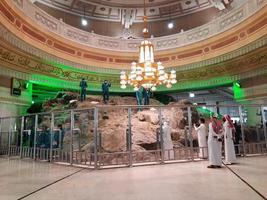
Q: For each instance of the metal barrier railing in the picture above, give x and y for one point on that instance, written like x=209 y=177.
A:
x=74 y=137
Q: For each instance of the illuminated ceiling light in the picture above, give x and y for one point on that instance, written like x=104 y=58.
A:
x=170 y=25
x=147 y=73
x=204 y=107
x=84 y=22
x=237 y=84
x=191 y=94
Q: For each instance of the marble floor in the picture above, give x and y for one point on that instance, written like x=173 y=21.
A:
x=24 y=179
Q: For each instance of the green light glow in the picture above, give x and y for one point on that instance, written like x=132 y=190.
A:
x=68 y=77
x=237 y=84
x=238 y=92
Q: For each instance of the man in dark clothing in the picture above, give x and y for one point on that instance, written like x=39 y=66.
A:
x=59 y=137
x=83 y=86
x=139 y=96
x=105 y=90
x=237 y=136
x=146 y=96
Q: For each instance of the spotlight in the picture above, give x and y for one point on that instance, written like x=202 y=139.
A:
x=237 y=84
x=191 y=94
x=170 y=25
x=32 y=102
x=84 y=22
x=204 y=107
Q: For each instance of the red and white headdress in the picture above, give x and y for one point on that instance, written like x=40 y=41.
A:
x=230 y=123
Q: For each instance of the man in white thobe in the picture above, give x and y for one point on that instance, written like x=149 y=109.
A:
x=202 y=141
x=167 y=142
x=228 y=131
x=215 y=143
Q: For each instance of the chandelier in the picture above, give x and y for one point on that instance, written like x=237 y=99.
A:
x=147 y=73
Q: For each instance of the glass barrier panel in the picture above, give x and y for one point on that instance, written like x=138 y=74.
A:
x=15 y=130
x=4 y=139
x=43 y=137
x=111 y=136
x=146 y=135
x=175 y=132
x=28 y=136
x=253 y=126
x=61 y=137
x=83 y=137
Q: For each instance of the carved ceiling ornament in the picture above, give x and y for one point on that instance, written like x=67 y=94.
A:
x=128 y=12
x=223 y=23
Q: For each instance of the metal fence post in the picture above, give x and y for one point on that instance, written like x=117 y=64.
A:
x=9 y=136
x=264 y=125
x=161 y=136
x=51 y=136
x=0 y=135
x=95 y=137
x=35 y=136
x=21 y=136
x=190 y=132
x=129 y=136
x=71 y=135
x=242 y=129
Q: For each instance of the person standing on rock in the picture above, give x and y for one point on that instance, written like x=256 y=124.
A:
x=215 y=142
x=105 y=91
x=229 y=130
x=146 y=96
x=83 y=86
x=201 y=136
x=139 y=96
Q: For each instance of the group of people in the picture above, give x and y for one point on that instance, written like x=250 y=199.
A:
x=217 y=134
x=105 y=90
x=43 y=139
x=142 y=96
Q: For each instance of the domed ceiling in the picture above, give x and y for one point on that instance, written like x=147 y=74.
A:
x=114 y=17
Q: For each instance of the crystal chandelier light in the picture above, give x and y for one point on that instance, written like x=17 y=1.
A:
x=147 y=72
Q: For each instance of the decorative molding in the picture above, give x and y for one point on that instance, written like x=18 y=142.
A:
x=232 y=19
x=218 y=25
x=249 y=65
x=108 y=44
x=20 y=44
x=198 y=35
x=77 y=36
x=128 y=12
x=45 y=22
x=241 y=35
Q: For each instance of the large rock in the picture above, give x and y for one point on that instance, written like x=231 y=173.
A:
x=113 y=123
